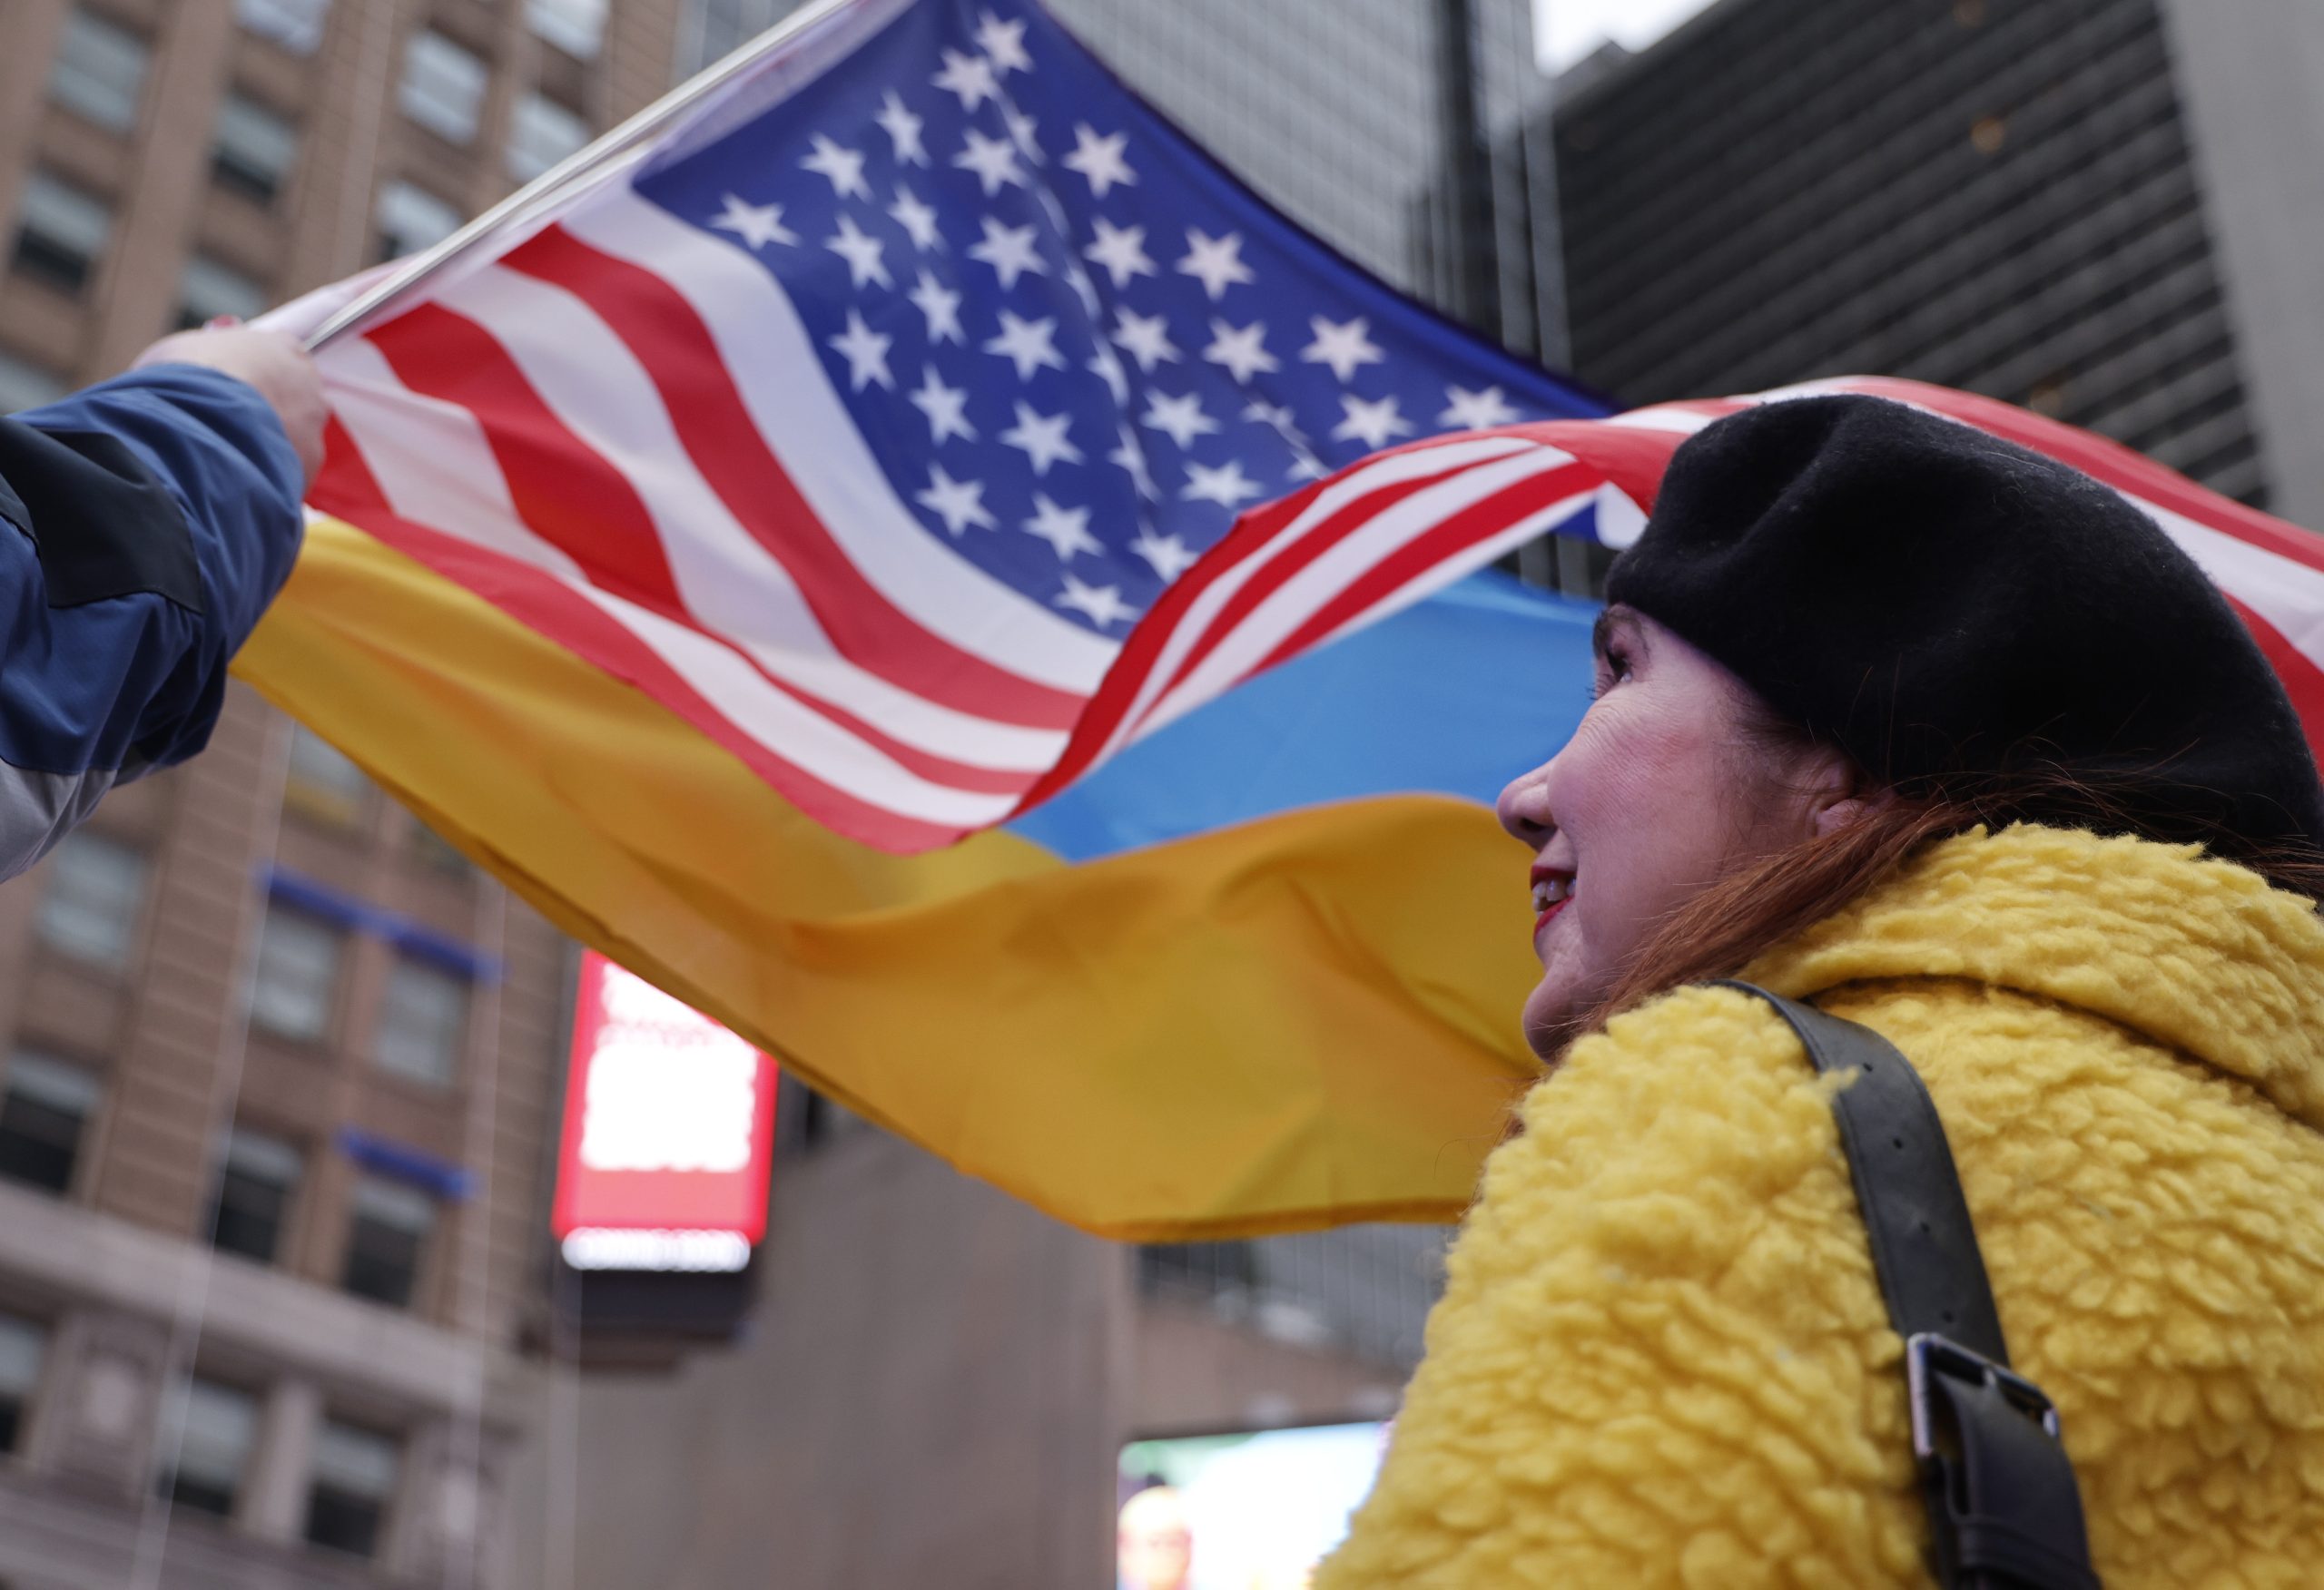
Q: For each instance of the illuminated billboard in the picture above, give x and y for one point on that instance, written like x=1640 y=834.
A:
x=1256 y=1510
x=669 y=1127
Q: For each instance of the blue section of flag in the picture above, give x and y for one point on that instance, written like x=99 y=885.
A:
x=1076 y=346
x=1456 y=695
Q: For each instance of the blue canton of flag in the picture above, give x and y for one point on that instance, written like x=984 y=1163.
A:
x=1074 y=344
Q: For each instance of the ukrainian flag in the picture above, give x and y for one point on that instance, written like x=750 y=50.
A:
x=1259 y=973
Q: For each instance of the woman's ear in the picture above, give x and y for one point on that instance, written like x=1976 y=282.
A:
x=1839 y=794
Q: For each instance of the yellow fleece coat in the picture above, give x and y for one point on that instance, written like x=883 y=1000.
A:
x=1662 y=1357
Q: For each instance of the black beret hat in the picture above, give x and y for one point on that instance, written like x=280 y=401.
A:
x=1957 y=613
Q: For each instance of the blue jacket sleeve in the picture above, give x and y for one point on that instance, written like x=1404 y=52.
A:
x=148 y=521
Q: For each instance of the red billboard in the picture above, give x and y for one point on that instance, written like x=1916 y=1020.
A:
x=669 y=1127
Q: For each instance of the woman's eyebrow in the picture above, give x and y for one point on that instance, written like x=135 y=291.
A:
x=1609 y=622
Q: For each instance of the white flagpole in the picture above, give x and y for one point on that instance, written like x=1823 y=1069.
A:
x=537 y=194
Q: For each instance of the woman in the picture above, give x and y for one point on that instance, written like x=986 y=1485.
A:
x=1945 y=737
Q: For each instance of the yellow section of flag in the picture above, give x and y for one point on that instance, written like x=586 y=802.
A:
x=1295 y=1023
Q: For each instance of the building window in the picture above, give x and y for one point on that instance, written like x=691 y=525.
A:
x=204 y=1450
x=323 y=782
x=423 y=1022
x=253 y=149
x=61 y=231
x=257 y=1180
x=297 y=975
x=354 y=1481
x=575 y=26
x=25 y=384
x=207 y=290
x=713 y=29
x=541 y=134
x=100 y=72
x=46 y=1106
x=443 y=86
x=24 y=1344
x=96 y=887
x=296 y=25
x=387 y=1238
x=411 y=219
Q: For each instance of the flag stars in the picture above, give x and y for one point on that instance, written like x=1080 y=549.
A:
x=1030 y=345
x=1122 y=250
x=1101 y=605
x=1100 y=160
x=866 y=352
x=1279 y=417
x=1216 y=263
x=1107 y=366
x=1083 y=288
x=1067 y=530
x=1476 y=410
x=1043 y=438
x=862 y=253
x=1145 y=337
x=1020 y=132
x=1170 y=554
x=1180 y=418
x=1343 y=345
x=994 y=161
x=1242 y=349
x=968 y=78
x=959 y=503
x=843 y=165
x=945 y=406
x=941 y=305
x=1225 y=485
x=756 y=224
x=1131 y=458
x=1371 y=423
x=902 y=128
x=1011 y=251
x=918 y=218
x=1003 y=44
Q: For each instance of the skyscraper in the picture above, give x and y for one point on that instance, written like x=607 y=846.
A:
x=2017 y=199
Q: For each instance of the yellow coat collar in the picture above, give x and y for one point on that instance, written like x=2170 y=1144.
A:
x=2198 y=955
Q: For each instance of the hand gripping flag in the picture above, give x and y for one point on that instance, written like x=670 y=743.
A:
x=799 y=561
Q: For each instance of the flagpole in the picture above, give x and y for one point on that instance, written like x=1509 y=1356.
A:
x=573 y=168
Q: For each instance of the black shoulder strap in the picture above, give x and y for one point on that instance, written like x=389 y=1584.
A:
x=2003 y=1511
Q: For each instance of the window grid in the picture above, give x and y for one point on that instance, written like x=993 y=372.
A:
x=443 y=86
x=61 y=231
x=294 y=986
x=96 y=891
x=100 y=71
x=253 y=149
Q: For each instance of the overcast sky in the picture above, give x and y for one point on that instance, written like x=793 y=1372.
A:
x=1564 y=31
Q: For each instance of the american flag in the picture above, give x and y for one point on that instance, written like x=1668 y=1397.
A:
x=888 y=420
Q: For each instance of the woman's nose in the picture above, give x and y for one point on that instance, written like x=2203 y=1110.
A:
x=1524 y=808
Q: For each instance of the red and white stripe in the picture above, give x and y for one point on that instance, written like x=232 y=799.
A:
x=619 y=432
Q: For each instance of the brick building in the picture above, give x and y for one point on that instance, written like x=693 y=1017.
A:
x=278 y=1064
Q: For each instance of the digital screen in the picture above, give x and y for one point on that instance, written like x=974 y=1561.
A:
x=1253 y=1511
x=669 y=1126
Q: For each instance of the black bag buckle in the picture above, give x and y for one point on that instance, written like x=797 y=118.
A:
x=1928 y=1355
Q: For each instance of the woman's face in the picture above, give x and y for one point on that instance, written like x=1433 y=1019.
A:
x=1659 y=793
